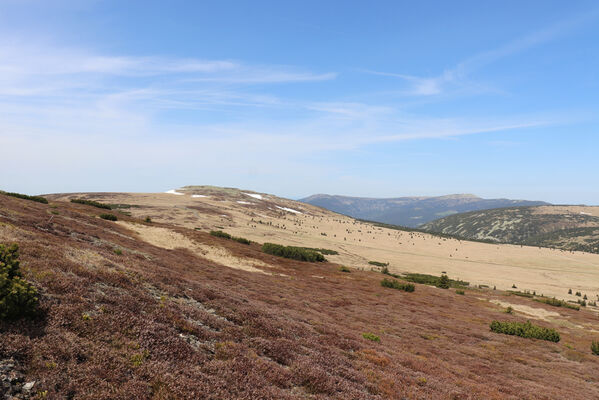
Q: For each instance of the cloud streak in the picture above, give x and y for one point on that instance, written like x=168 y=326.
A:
x=457 y=76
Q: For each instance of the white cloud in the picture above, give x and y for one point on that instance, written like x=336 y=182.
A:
x=457 y=76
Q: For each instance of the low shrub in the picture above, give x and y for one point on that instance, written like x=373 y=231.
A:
x=557 y=303
x=91 y=203
x=521 y=294
x=148 y=220
x=378 y=264
x=460 y=292
x=393 y=284
x=38 y=199
x=525 y=330
x=371 y=336
x=443 y=282
x=109 y=217
x=595 y=348
x=18 y=298
x=326 y=252
x=294 y=253
x=509 y=310
x=225 y=235
x=432 y=280
x=220 y=234
x=344 y=269
x=242 y=240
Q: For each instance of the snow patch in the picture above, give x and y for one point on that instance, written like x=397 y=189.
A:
x=173 y=191
x=583 y=213
x=198 y=195
x=243 y=202
x=289 y=209
x=255 y=196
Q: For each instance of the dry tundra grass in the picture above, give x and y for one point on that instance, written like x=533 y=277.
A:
x=164 y=322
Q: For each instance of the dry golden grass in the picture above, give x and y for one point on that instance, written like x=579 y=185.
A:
x=164 y=321
x=546 y=271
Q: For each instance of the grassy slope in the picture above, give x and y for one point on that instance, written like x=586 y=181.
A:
x=524 y=225
x=157 y=323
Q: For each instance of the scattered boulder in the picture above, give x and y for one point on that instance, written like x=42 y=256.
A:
x=12 y=382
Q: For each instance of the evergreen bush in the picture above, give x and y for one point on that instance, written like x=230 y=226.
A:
x=525 y=330
x=18 y=298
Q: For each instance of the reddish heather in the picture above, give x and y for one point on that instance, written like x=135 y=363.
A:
x=168 y=324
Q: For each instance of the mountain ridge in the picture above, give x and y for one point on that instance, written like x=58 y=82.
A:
x=410 y=211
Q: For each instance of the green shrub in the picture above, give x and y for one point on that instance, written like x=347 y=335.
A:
x=443 y=282
x=91 y=203
x=344 y=269
x=432 y=280
x=460 y=292
x=225 y=235
x=595 y=348
x=295 y=253
x=393 y=284
x=220 y=234
x=371 y=336
x=557 y=303
x=38 y=199
x=148 y=220
x=242 y=240
x=109 y=217
x=326 y=252
x=521 y=294
x=118 y=252
x=509 y=310
x=525 y=330
x=18 y=298
x=378 y=264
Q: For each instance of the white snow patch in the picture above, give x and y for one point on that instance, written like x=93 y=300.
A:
x=198 y=195
x=173 y=191
x=289 y=209
x=243 y=202
x=583 y=213
x=255 y=196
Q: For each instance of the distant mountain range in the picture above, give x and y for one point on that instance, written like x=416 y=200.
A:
x=410 y=211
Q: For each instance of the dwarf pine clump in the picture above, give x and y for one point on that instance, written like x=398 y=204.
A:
x=91 y=203
x=38 y=199
x=295 y=253
x=595 y=347
x=18 y=298
x=109 y=217
x=525 y=330
x=393 y=284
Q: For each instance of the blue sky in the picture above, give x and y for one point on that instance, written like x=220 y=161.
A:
x=378 y=99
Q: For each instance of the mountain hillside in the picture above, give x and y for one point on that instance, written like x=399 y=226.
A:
x=409 y=211
x=262 y=217
x=146 y=306
x=564 y=227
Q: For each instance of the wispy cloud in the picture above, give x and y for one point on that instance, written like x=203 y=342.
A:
x=457 y=76
x=62 y=107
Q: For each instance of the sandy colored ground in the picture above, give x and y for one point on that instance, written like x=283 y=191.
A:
x=535 y=312
x=546 y=271
x=169 y=239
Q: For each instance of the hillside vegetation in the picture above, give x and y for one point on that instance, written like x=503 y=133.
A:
x=163 y=318
x=561 y=227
